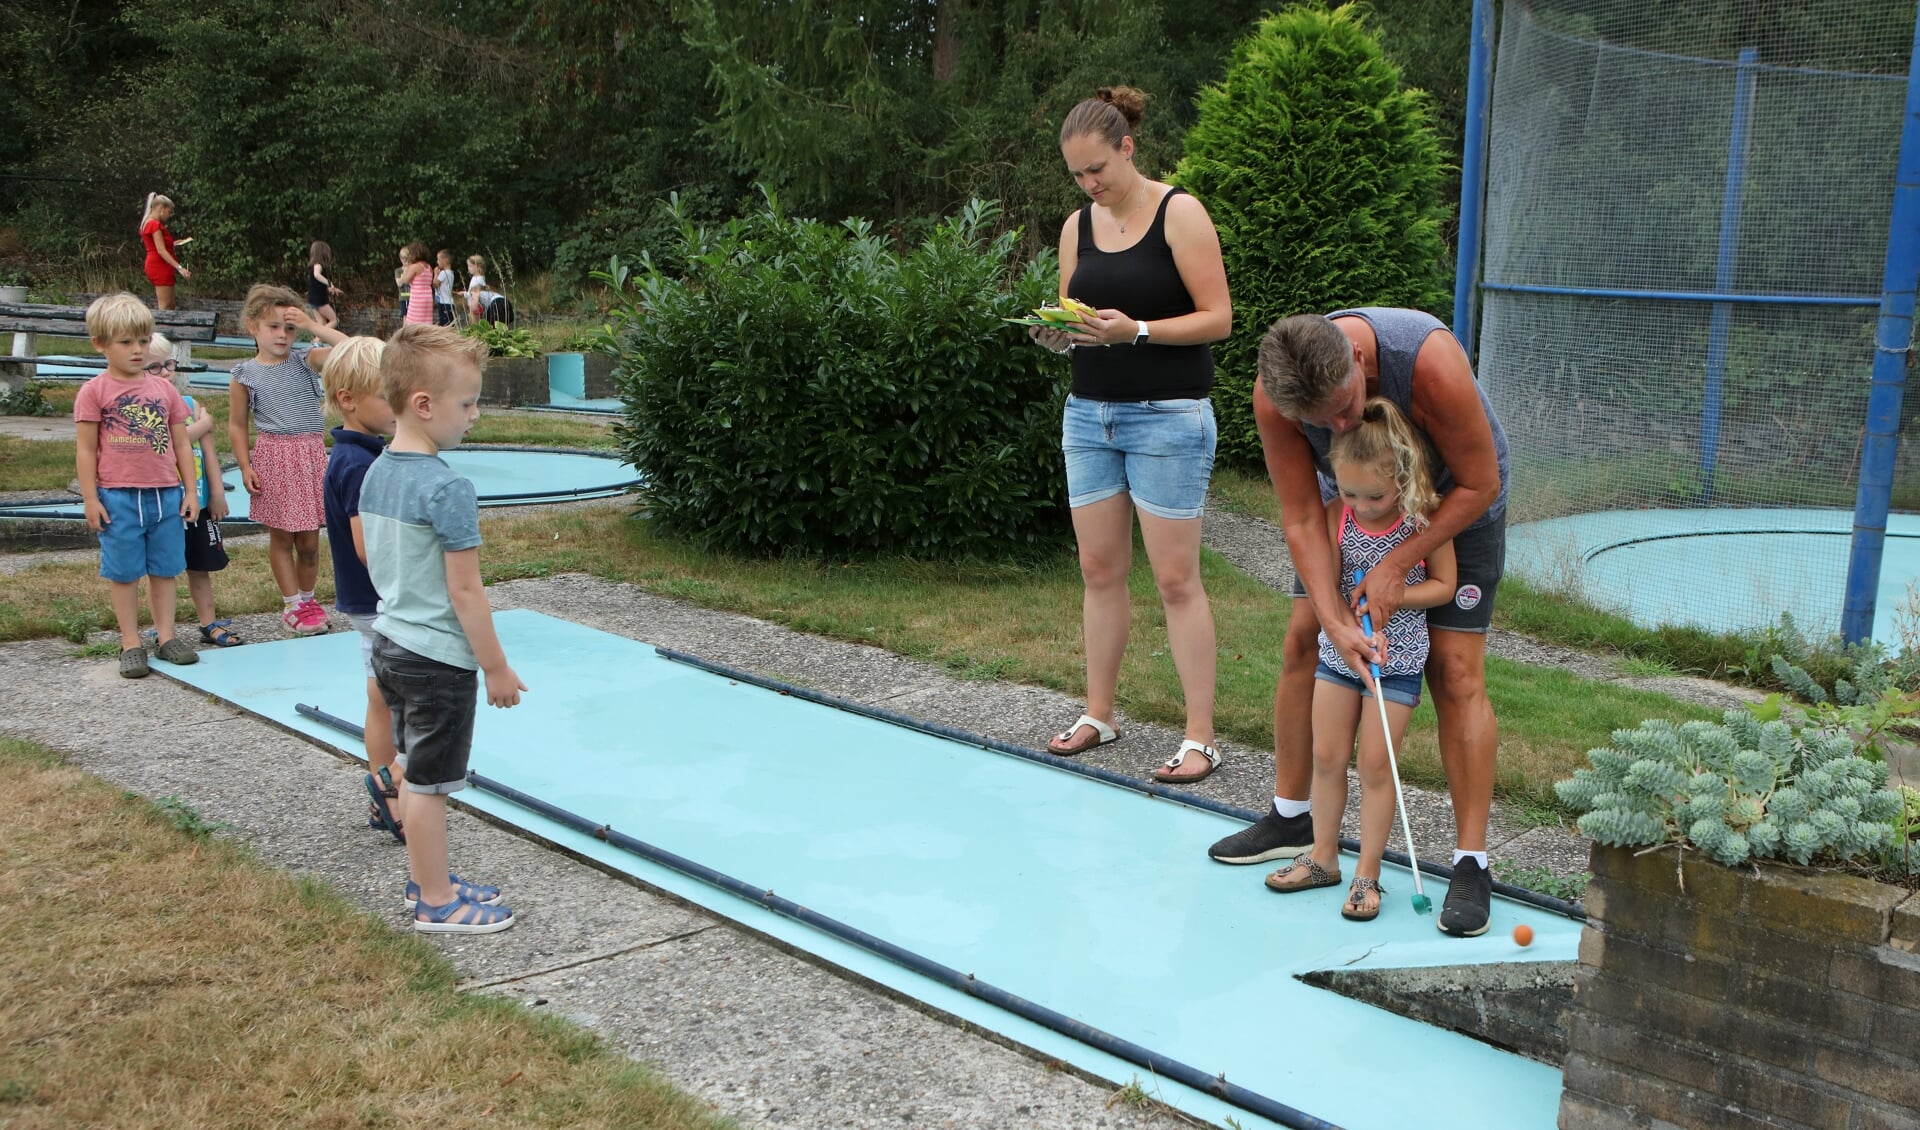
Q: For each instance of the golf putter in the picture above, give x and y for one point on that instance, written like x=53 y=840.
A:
x=1421 y=903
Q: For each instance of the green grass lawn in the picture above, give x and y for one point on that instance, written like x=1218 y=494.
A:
x=1011 y=620
x=49 y=464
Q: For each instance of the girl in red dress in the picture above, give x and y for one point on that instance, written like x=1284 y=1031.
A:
x=162 y=266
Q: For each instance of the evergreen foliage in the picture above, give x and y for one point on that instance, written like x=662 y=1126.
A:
x=1742 y=789
x=806 y=387
x=1323 y=176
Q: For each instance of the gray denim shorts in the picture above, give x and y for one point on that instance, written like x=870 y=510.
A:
x=433 y=705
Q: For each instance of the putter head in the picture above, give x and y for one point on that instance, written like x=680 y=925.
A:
x=1422 y=904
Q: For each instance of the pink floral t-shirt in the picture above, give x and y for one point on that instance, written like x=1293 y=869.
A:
x=136 y=447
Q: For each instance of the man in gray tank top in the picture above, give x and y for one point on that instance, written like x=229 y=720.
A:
x=1316 y=373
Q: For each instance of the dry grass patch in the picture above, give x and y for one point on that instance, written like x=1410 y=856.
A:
x=159 y=978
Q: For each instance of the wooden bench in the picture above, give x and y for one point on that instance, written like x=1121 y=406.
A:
x=26 y=319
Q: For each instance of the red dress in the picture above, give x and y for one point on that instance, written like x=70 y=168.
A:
x=159 y=271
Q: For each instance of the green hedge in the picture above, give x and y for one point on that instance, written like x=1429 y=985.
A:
x=805 y=386
x=1323 y=177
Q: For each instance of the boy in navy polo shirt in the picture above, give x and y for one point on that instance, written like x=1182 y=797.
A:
x=352 y=380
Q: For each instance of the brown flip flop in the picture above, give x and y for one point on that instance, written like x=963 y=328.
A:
x=1303 y=874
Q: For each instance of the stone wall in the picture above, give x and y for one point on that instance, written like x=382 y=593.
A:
x=1788 y=999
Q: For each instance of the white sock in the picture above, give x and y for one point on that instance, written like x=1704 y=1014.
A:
x=1291 y=808
x=290 y=601
x=1479 y=857
x=306 y=596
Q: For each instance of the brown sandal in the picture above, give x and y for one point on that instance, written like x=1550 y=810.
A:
x=1063 y=745
x=1303 y=874
x=1169 y=773
x=1355 y=908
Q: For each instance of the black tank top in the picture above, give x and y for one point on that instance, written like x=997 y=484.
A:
x=1143 y=283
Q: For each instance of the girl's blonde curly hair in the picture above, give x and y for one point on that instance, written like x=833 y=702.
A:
x=1385 y=440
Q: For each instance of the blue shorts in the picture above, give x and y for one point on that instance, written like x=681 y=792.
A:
x=1158 y=451
x=1403 y=689
x=145 y=536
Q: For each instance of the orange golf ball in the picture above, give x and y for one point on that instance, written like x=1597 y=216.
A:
x=1523 y=935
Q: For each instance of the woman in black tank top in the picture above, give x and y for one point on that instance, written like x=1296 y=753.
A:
x=1138 y=431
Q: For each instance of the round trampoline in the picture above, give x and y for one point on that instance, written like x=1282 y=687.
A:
x=502 y=476
x=1722 y=570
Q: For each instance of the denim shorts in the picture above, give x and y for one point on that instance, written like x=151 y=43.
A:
x=1158 y=451
x=1403 y=689
x=433 y=705
x=145 y=536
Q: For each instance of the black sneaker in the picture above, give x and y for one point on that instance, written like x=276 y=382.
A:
x=1273 y=836
x=1469 y=900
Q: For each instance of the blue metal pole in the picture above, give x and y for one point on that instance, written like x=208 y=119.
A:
x=1473 y=175
x=1891 y=342
x=1739 y=130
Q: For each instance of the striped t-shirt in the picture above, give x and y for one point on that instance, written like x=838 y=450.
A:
x=285 y=398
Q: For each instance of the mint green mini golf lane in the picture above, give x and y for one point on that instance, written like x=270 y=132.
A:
x=1089 y=899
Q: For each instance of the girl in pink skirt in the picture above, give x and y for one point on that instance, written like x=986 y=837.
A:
x=285 y=469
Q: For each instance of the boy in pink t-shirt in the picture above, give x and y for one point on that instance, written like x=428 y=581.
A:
x=132 y=457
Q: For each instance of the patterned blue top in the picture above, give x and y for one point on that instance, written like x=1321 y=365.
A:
x=1407 y=630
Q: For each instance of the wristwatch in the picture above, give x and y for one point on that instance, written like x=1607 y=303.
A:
x=1140 y=333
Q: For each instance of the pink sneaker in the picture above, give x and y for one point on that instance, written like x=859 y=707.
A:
x=313 y=618
x=305 y=618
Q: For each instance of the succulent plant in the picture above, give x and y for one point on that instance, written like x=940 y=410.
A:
x=1790 y=788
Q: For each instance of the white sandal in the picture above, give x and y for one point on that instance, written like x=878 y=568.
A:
x=1102 y=734
x=1178 y=759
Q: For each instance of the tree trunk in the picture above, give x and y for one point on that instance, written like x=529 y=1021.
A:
x=946 y=39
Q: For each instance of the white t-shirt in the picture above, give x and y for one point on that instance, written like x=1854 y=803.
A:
x=443 y=287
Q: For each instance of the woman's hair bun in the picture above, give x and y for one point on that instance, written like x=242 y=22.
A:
x=1131 y=103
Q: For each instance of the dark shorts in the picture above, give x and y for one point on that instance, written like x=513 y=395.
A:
x=206 y=551
x=433 y=705
x=442 y=314
x=1481 y=556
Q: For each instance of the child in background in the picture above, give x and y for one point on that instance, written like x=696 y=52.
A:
x=321 y=291
x=352 y=380
x=416 y=277
x=206 y=553
x=285 y=470
x=476 y=283
x=1385 y=495
x=422 y=527
x=443 y=289
x=132 y=454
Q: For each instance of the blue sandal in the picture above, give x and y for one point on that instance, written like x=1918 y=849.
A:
x=471 y=892
x=379 y=817
x=462 y=916
x=217 y=634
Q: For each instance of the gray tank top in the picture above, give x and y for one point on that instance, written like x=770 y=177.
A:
x=1398 y=334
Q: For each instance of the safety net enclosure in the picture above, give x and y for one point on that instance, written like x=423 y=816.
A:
x=1686 y=229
